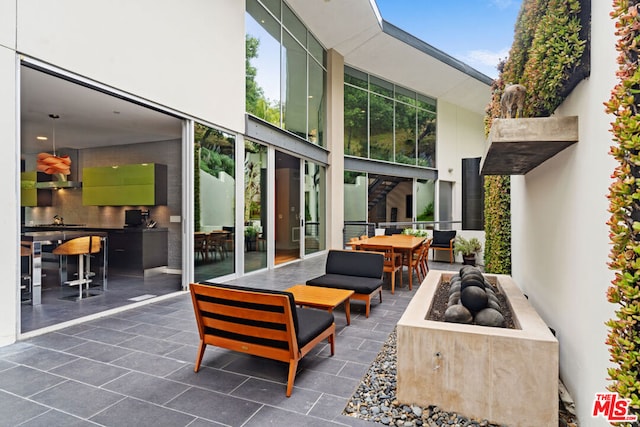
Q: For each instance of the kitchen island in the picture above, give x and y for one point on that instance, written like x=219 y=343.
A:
x=132 y=251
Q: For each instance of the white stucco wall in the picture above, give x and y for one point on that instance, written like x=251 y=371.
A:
x=9 y=170
x=188 y=55
x=560 y=237
x=8 y=23
x=460 y=135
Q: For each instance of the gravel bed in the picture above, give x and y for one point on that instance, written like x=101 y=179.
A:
x=375 y=400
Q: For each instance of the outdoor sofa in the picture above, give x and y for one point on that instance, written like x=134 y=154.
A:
x=358 y=271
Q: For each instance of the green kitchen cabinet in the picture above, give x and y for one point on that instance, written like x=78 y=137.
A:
x=142 y=184
x=29 y=194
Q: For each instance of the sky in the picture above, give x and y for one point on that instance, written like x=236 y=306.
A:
x=477 y=32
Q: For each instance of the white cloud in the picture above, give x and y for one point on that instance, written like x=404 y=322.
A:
x=485 y=60
x=502 y=4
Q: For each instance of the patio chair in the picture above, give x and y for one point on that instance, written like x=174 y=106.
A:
x=443 y=241
x=260 y=322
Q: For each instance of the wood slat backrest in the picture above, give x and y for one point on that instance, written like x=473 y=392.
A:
x=79 y=246
x=246 y=320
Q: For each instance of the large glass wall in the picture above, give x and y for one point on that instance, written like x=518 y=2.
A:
x=314 y=207
x=255 y=206
x=214 y=210
x=285 y=71
x=383 y=121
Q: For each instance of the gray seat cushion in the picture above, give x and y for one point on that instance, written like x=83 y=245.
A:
x=358 y=284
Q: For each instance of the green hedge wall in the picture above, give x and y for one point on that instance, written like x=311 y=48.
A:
x=549 y=56
x=624 y=204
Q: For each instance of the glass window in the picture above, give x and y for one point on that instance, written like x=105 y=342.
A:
x=316 y=104
x=381 y=86
x=262 y=64
x=314 y=207
x=279 y=82
x=355 y=122
x=401 y=123
x=355 y=77
x=426 y=139
x=294 y=26
x=214 y=210
x=405 y=132
x=426 y=103
x=255 y=206
x=273 y=6
x=294 y=86
x=405 y=95
x=381 y=127
x=316 y=50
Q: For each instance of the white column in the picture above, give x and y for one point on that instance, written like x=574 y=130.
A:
x=335 y=144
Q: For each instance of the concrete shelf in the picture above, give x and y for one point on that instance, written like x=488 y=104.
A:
x=516 y=146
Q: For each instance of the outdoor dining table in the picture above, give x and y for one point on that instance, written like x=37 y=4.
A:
x=400 y=242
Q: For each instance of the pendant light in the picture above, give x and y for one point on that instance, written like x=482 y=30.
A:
x=51 y=163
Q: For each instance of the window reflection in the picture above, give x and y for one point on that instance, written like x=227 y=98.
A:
x=314 y=207
x=255 y=209
x=383 y=121
x=381 y=128
x=214 y=200
x=285 y=75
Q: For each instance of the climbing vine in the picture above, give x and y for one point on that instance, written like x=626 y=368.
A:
x=624 y=205
x=549 y=57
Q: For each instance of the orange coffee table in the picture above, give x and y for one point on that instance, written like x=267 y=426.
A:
x=323 y=298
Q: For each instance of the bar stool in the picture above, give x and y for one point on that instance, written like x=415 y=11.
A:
x=25 y=276
x=83 y=247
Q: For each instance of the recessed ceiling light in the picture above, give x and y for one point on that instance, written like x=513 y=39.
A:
x=41 y=138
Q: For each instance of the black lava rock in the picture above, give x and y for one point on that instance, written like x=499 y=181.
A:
x=474 y=298
x=458 y=314
x=490 y=317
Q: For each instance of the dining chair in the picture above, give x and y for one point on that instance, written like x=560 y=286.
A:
x=353 y=244
x=215 y=244
x=25 y=277
x=200 y=245
x=392 y=261
x=420 y=264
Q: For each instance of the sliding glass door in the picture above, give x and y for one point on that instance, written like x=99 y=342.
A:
x=288 y=219
x=214 y=203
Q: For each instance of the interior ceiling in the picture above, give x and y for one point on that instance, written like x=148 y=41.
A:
x=88 y=118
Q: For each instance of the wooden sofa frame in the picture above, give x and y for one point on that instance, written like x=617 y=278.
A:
x=259 y=322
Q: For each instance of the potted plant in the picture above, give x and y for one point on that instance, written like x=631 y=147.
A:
x=468 y=248
x=250 y=237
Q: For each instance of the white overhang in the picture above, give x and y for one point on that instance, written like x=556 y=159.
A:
x=355 y=29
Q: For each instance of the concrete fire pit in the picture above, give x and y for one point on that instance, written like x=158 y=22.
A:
x=507 y=376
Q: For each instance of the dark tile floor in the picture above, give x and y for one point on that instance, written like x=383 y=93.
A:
x=136 y=368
